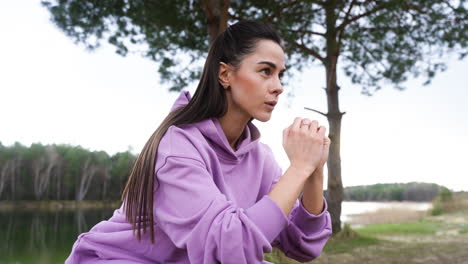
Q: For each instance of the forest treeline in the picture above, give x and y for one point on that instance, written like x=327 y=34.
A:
x=64 y=172
x=413 y=191
x=61 y=172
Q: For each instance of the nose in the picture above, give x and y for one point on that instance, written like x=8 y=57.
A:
x=277 y=86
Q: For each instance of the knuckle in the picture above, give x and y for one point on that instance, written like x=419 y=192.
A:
x=317 y=139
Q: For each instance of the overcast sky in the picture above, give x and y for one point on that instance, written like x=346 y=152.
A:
x=53 y=91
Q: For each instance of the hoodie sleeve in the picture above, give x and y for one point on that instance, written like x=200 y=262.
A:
x=197 y=217
x=306 y=234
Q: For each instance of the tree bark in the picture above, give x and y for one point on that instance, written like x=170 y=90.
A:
x=217 y=16
x=335 y=185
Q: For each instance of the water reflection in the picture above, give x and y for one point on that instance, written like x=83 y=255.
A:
x=47 y=237
x=44 y=237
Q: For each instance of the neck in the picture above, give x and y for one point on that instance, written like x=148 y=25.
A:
x=233 y=127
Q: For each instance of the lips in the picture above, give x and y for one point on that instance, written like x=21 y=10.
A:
x=270 y=105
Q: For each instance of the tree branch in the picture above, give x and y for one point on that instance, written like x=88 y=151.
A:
x=302 y=47
x=355 y=18
x=449 y=5
x=379 y=61
x=346 y=17
x=317 y=111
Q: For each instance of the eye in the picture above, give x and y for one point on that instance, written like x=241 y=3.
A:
x=267 y=71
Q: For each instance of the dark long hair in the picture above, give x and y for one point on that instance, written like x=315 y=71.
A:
x=208 y=101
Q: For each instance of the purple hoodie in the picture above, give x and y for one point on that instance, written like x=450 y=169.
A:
x=210 y=206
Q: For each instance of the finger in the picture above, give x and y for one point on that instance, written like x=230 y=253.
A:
x=321 y=131
x=305 y=124
x=297 y=123
x=326 y=143
x=313 y=126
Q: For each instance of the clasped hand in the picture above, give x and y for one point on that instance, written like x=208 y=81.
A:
x=306 y=145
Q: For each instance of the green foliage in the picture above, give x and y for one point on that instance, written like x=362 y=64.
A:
x=447 y=202
x=445 y=195
x=414 y=228
x=348 y=239
x=335 y=246
x=376 y=41
x=160 y=30
x=412 y=191
x=436 y=209
x=62 y=171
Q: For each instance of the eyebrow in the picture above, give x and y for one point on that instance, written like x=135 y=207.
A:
x=271 y=64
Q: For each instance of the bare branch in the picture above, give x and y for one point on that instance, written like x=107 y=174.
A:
x=317 y=111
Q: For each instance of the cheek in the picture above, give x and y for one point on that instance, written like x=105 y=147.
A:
x=249 y=87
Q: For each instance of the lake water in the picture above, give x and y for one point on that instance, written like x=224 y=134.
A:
x=47 y=237
x=350 y=208
x=43 y=237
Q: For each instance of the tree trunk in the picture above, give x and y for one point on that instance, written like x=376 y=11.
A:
x=5 y=170
x=38 y=167
x=335 y=185
x=217 y=16
x=88 y=172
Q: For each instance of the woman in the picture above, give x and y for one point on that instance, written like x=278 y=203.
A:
x=215 y=193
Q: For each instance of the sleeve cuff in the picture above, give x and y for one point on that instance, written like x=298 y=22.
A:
x=268 y=217
x=310 y=223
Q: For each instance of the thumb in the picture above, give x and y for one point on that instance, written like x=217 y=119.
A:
x=285 y=134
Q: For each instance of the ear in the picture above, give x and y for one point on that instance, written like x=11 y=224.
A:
x=224 y=74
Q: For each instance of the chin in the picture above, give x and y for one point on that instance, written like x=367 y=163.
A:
x=263 y=118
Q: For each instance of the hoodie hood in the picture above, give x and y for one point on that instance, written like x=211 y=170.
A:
x=211 y=129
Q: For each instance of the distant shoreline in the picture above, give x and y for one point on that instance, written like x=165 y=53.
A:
x=70 y=205
x=6 y=206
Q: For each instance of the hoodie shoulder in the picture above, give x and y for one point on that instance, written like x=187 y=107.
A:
x=181 y=142
x=265 y=149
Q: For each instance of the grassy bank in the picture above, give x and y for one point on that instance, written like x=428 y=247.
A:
x=417 y=238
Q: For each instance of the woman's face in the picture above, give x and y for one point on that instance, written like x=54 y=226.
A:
x=256 y=84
